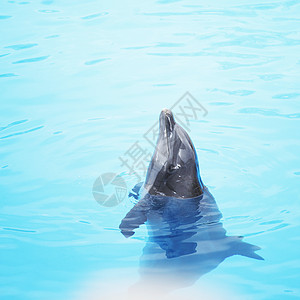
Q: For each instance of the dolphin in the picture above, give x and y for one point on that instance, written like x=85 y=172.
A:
x=173 y=172
x=186 y=238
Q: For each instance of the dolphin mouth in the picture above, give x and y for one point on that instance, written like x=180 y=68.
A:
x=166 y=122
x=167 y=133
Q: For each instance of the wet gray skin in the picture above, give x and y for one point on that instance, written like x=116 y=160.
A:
x=174 y=169
x=173 y=173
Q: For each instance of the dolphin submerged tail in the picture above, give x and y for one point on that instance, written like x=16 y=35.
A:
x=247 y=250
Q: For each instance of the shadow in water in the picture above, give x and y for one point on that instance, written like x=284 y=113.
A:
x=186 y=239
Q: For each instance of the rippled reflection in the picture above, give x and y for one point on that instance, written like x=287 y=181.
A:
x=185 y=239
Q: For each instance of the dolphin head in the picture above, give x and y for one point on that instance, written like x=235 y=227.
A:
x=174 y=169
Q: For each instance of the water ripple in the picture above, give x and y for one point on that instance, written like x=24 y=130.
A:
x=164 y=84
x=259 y=41
x=283 y=225
x=286 y=96
x=13 y=124
x=95 y=119
x=136 y=47
x=47 y=2
x=169 y=45
x=225 y=65
x=48 y=11
x=168 y=14
x=5 y=75
x=269 y=77
x=21 y=132
x=93 y=16
x=275 y=228
x=203 y=53
x=271 y=222
x=209 y=150
x=18 y=230
x=84 y=222
x=231 y=127
x=217 y=12
x=29 y=60
x=268 y=112
x=220 y=103
x=5 y=17
x=21 y=46
x=167 y=1
x=52 y=36
x=95 y=61
x=236 y=93
x=265 y=6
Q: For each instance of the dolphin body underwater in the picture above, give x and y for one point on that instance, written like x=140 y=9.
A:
x=186 y=238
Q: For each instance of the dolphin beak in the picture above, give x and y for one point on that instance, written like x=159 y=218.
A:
x=166 y=121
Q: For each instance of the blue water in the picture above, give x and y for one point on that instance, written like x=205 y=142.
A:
x=82 y=81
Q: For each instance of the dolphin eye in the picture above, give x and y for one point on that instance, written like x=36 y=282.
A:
x=172 y=168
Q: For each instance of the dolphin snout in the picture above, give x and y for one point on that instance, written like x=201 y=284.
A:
x=166 y=120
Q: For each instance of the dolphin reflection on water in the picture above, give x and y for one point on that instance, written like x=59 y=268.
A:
x=185 y=236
